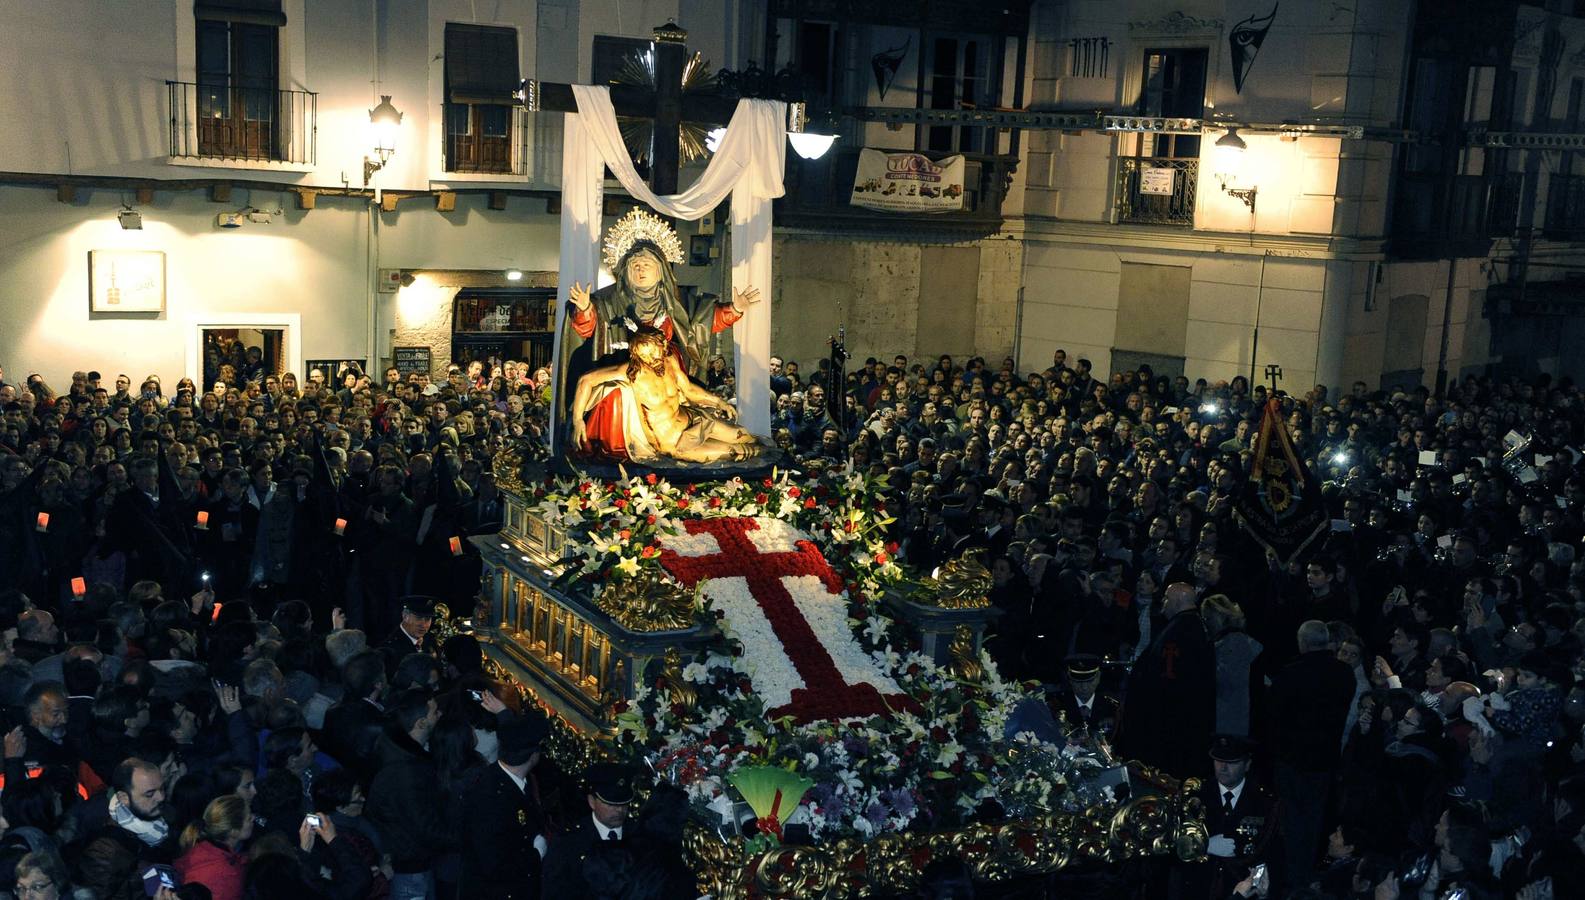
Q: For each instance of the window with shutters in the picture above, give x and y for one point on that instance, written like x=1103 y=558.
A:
x=238 y=102
x=481 y=77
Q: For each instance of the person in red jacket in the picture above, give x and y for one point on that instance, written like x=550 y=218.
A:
x=212 y=847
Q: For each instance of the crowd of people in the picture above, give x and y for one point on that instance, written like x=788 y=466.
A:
x=217 y=605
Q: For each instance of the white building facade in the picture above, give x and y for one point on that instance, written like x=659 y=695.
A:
x=1341 y=246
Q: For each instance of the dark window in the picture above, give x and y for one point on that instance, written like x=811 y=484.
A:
x=1431 y=98
x=620 y=58
x=481 y=76
x=238 y=89
x=959 y=76
x=1173 y=87
x=815 y=54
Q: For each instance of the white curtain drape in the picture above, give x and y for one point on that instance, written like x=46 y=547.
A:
x=748 y=165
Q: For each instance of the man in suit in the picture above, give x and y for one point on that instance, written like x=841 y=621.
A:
x=610 y=793
x=503 y=827
x=1241 y=817
x=353 y=726
x=1310 y=700
x=412 y=636
x=1081 y=706
x=146 y=530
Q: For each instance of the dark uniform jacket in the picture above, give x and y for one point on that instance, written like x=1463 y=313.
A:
x=564 y=862
x=499 y=824
x=1252 y=827
x=1100 y=718
x=399 y=645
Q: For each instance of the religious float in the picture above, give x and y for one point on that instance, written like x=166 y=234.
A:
x=833 y=718
x=682 y=600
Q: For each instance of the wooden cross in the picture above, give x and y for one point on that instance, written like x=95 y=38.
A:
x=665 y=104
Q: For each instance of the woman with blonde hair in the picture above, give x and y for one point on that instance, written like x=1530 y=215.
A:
x=212 y=847
x=1235 y=652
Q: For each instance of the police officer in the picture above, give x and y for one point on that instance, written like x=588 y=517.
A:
x=1080 y=703
x=1241 y=817
x=502 y=824
x=610 y=794
x=412 y=635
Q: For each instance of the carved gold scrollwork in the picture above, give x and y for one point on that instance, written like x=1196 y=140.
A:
x=508 y=467
x=570 y=749
x=1170 y=824
x=965 y=665
x=677 y=687
x=963 y=583
x=647 y=603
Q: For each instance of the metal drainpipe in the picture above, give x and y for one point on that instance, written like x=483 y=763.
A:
x=1254 y=342
x=1447 y=314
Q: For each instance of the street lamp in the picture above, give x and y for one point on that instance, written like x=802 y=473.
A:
x=384 y=123
x=808 y=144
x=1230 y=150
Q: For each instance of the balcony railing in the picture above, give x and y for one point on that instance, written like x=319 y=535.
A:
x=1507 y=195
x=526 y=145
x=1435 y=215
x=1156 y=190
x=210 y=121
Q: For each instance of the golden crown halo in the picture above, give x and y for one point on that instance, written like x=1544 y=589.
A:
x=641 y=225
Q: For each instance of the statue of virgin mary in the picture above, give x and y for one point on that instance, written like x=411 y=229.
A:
x=640 y=250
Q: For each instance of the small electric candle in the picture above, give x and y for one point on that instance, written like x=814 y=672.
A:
x=43 y=523
x=203 y=520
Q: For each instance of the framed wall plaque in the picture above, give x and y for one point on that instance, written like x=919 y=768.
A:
x=126 y=281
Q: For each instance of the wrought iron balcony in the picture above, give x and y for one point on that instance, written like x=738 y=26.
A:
x=819 y=191
x=1156 y=190
x=220 y=122
x=1565 y=208
x=484 y=139
x=1434 y=215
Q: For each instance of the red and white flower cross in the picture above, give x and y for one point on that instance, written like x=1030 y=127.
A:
x=783 y=603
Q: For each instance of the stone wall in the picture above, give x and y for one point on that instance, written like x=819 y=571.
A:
x=914 y=298
x=423 y=309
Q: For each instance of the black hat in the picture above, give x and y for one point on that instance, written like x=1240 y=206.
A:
x=1083 y=666
x=1231 y=748
x=522 y=736
x=421 y=605
x=611 y=783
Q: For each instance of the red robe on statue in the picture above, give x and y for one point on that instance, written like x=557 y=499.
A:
x=603 y=426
